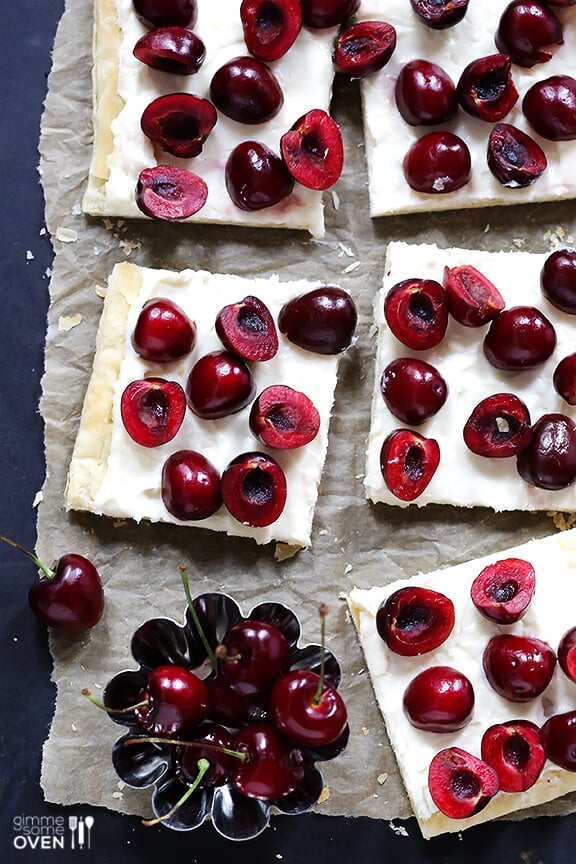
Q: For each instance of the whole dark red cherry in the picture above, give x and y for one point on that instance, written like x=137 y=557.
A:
x=558 y=280
x=254 y=489
x=190 y=486
x=322 y=320
x=320 y=14
x=567 y=653
x=460 y=784
x=524 y=29
x=513 y=157
x=559 y=734
x=498 y=427
x=163 y=332
x=516 y=752
x=166 y=13
x=486 y=88
x=520 y=337
x=176 y=50
x=306 y=709
x=246 y=90
x=270 y=27
x=564 y=379
x=274 y=766
x=502 y=591
x=412 y=389
x=176 y=702
x=363 y=48
x=415 y=620
x=549 y=461
x=550 y=107
x=437 y=163
x=218 y=739
x=416 y=310
x=179 y=123
x=408 y=462
x=152 y=410
x=425 y=94
x=232 y=709
x=518 y=668
x=439 y=699
x=220 y=383
x=440 y=14
x=252 y=657
x=256 y=177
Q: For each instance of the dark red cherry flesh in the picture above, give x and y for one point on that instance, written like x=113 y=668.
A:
x=307 y=710
x=550 y=107
x=520 y=337
x=190 y=486
x=363 y=48
x=516 y=752
x=163 y=332
x=179 y=123
x=558 y=280
x=549 y=461
x=514 y=158
x=273 y=768
x=413 y=390
x=176 y=701
x=313 y=151
x=270 y=27
x=254 y=489
x=246 y=90
x=437 y=163
x=518 y=668
x=486 y=88
x=322 y=320
x=252 y=657
x=564 y=379
x=320 y=14
x=416 y=310
x=567 y=653
x=439 y=699
x=440 y=14
x=170 y=193
x=256 y=177
x=460 y=784
x=473 y=299
x=152 y=410
x=166 y=13
x=502 y=591
x=247 y=329
x=284 y=418
x=525 y=29
x=176 y=50
x=408 y=462
x=415 y=620
x=425 y=94
x=559 y=734
x=498 y=427
x=219 y=384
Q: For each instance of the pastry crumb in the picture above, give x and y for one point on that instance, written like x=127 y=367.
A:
x=128 y=246
x=284 y=551
x=382 y=778
x=563 y=521
x=38 y=498
x=66 y=235
x=324 y=795
x=519 y=242
x=68 y=322
x=398 y=829
x=29 y=255
x=365 y=730
x=100 y=290
x=347 y=569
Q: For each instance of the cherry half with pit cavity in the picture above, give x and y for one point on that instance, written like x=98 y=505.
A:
x=437 y=163
x=363 y=48
x=439 y=699
x=408 y=462
x=473 y=299
x=498 y=427
x=284 y=418
x=416 y=310
x=254 y=489
x=322 y=320
x=413 y=390
x=461 y=784
x=270 y=27
x=518 y=668
x=525 y=29
x=256 y=177
x=486 y=88
x=549 y=461
x=152 y=410
x=220 y=383
x=415 y=620
x=179 y=123
x=190 y=486
x=313 y=151
x=163 y=332
x=247 y=328
x=515 y=159
x=516 y=751
x=170 y=193
x=176 y=50
x=503 y=591
x=567 y=653
x=440 y=14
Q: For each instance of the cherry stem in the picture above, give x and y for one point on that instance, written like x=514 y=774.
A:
x=48 y=573
x=203 y=766
x=322 y=611
x=89 y=695
x=204 y=745
x=195 y=619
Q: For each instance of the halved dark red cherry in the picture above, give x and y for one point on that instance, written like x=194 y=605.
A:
x=498 y=427
x=550 y=107
x=320 y=14
x=270 y=26
x=190 y=486
x=502 y=591
x=170 y=193
x=313 y=150
x=425 y=94
x=220 y=383
x=322 y=320
x=247 y=329
x=486 y=88
x=567 y=653
x=437 y=163
x=408 y=461
x=163 y=332
x=256 y=177
x=473 y=299
x=412 y=389
x=152 y=410
x=246 y=90
x=520 y=337
x=284 y=418
x=440 y=14
x=558 y=280
x=439 y=699
x=549 y=461
x=564 y=379
x=516 y=752
x=166 y=13
x=416 y=310
x=179 y=123
x=518 y=668
x=254 y=489
x=176 y=50
x=514 y=158
x=363 y=48
x=524 y=29
x=559 y=734
x=415 y=620
x=460 y=784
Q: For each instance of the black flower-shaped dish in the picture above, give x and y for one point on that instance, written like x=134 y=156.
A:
x=161 y=642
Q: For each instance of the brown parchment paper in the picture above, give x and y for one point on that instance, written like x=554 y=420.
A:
x=354 y=542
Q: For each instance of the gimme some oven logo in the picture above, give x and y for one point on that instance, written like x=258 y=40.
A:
x=52 y=832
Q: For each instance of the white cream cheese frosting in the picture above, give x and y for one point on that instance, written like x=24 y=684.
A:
x=548 y=617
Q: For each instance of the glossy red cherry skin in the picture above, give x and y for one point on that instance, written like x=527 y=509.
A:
x=303 y=719
x=217 y=738
x=567 y=653
x=516 y=751
x=254 y=489
x=519 y=668
x=520 y=337
x=408 y=462
x=549 y=461
x=415 y=620
x=440 y=14
x=190 y=486
x=558 y=280
x=270 y=27
x=524 y=29
x=322 y=320
x=437 y=163
x=320 y=14
x=176 y=50
x=176 y=702
x=256 y=177
x=274 y=767
x=166 y=13
x=515 y=159
x=219 y=384
x=559 y=734
x=460 y=784
x=246 y=90
x=256 y=655
x=413 y=390
x=425 y=94
x=564 y=379
x=163 y=332
x=152 y=410
x=473 y=299
x=503 y=590
x=73 y=599
x=416 y=310
x=550 y=107
x=498 y=427
x=439 y=699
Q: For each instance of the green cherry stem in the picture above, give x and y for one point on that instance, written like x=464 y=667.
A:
x=48 y=573
x=203 y=766
x=195 y=619
x=323 y=612
x=204 y=745
x=89 y=695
